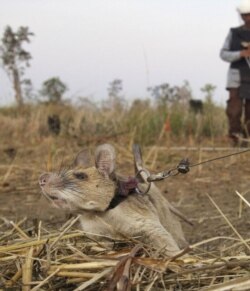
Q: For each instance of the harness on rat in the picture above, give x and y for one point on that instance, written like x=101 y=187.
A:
x=129 y=186
x=124 y=188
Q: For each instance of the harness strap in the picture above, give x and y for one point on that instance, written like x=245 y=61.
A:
x=125 y=187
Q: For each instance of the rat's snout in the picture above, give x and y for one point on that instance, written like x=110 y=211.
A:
x=43 y=180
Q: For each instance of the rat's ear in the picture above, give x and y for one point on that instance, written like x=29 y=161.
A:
x=105 y=159
x=83 y=159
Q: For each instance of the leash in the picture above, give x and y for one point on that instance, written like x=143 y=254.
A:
x=129 y=185
x=184 y=167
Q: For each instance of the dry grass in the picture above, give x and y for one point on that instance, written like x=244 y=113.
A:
x=43 y=255
x=142 y=122
x=40 y=259
x=40 y=255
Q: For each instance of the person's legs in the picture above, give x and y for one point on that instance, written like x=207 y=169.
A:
x=234 y=112
x=247 y=117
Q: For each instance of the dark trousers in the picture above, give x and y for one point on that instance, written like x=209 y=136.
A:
x=235 y=107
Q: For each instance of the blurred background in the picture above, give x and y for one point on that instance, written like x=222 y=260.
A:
x=144 y=43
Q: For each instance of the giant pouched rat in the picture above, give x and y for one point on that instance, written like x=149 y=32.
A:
x=111 y=205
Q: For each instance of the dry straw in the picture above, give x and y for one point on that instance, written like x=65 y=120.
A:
x=70 y=260
x=38 y=258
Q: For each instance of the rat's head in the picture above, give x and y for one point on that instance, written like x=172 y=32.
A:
x=82 y=186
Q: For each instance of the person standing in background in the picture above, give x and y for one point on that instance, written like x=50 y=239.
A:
x=236 y=51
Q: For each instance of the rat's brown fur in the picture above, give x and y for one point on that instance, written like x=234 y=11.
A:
x=89 y=191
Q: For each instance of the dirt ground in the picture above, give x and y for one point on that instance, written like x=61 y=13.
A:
x=20 y=196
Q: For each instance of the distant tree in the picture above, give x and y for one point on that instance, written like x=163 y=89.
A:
x=162 y=92
x=208 y=89
x=53 y=89
x=184 y=93
x=27 y=89
x=166 y=94
x=116 y=100
x=15 y=58
x=115 y=88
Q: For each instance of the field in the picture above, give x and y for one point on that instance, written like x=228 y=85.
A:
x=40 y=251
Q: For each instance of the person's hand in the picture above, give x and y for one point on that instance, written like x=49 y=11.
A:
x=245 y=53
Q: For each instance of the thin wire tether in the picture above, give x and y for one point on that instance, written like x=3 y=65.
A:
x=219 y=158
x=184 y=166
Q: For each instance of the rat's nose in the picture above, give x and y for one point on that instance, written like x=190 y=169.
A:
x=43 y=179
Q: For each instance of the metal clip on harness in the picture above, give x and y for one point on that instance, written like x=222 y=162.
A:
x=182 y=167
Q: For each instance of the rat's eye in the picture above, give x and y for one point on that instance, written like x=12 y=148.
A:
x=80 y=175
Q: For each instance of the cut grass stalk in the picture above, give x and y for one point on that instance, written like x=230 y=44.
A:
x=27 y=270
x=242 y=198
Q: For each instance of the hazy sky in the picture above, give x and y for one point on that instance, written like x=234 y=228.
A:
x=88 y=43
